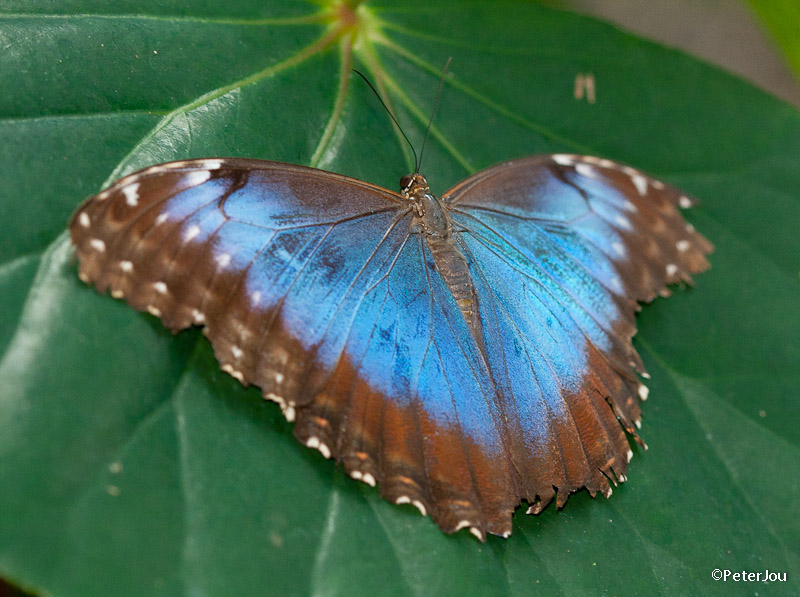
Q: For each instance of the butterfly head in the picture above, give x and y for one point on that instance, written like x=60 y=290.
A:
x=414 y=187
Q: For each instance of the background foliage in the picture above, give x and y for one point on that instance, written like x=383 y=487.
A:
x=130 y=464
x=782 y=19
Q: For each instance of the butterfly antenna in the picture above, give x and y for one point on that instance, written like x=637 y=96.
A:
x=389 y=112
x=433 y=112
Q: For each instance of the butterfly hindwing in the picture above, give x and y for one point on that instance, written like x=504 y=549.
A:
x=563 y=434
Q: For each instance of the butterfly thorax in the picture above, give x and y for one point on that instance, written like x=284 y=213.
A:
x=434 y=222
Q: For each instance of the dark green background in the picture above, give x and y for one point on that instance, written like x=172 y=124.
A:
x=130 y=464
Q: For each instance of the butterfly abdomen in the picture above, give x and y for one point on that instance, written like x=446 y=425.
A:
x=452 y=266
x=449 y=259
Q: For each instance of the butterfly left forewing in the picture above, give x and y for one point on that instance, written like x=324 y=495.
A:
x=172 y=239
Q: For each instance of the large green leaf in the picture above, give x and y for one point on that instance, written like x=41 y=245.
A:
x=130 y=464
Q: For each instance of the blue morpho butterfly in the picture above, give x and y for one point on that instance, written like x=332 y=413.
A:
x=465 y=352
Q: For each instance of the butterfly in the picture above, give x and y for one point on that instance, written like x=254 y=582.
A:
x=464 y=353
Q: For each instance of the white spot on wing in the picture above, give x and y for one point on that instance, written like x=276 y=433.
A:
x=462 y=524
x=289 y=413
x=84 y=220
x=563 y=159
x=275 y=398
x=658 y=184
x=131 y=193
x=535 y=509
x=586 y=170
x=630 y=454
x=672 y=269
x=126 y=266
x=161 y=219
x=97 y=244
x=421 y=507
x=237 y=352
x=475 y=531
x=368 y=479
x=154 y=310
x=618 y=247
x=682 y=245
x=640 y=182
x=212 y=164
x=278 y=377
x=228 y=368
x=223 y=259
x=197 y=177
x=255 y=297
x=191 y=232
x=160 y=287
x=198 y=317
x=644 y=391
x=623 y=222
x=685 y=202
x=117 y=293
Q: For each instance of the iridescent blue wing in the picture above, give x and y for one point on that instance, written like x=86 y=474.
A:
x=560 y=249
x=316 y=288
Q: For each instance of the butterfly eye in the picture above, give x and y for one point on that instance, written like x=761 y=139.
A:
x=405 y=181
